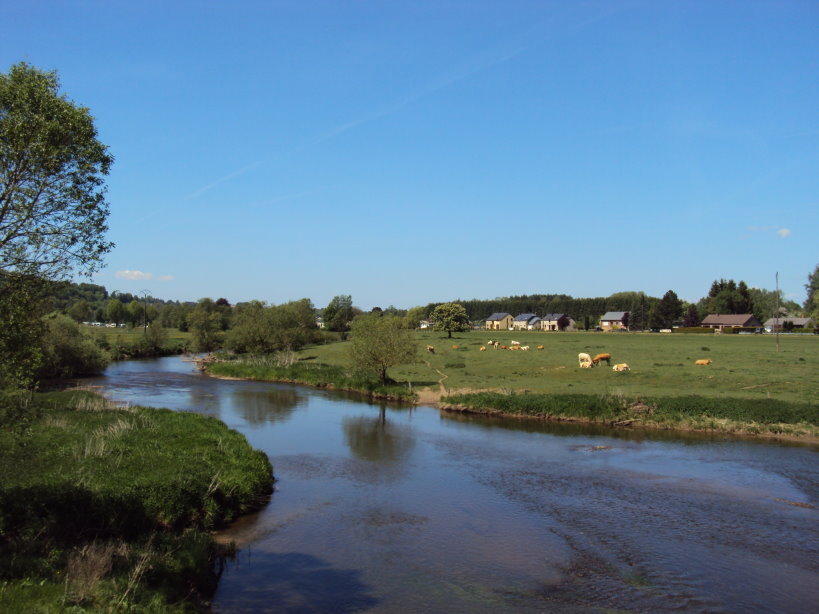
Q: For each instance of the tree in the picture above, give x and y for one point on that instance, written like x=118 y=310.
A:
x=205 y=324
x=339 y=313
x=666 y=311
x=115 y=311
x=727 y=297
x=22 y=307
x=380 y=342
x=450 y=317
x=812 y=287
x=52 y=194
x=80 y=311
x=692 y=316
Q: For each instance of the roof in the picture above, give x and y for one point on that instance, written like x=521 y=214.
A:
x=524 y=317
x=498 y=316
x=731 y=319
x=615 y=316
x=554 y=317
x=797 y=322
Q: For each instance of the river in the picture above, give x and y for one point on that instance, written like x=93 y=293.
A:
x=384 y=508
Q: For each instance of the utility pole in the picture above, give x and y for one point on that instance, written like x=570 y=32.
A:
x=776 y=316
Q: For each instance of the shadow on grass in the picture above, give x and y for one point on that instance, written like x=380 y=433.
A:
x=292 y=583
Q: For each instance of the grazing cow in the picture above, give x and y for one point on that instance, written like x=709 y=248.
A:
x=620 y=367
x=454 y=347
x=704 y=361
x=540 y=347
x=601 y=357
x=495 y=345
x=585 y=360
x=430 y=349
x=503 y=347
x=515 y=343
x=524 y=347
x=490 y=342
x=483 y=349
x=515 y=347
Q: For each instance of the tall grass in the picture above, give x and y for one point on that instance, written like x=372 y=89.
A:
x=115 y=503
x=690 y=411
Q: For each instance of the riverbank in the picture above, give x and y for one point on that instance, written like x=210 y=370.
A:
x=769 y=419
x=108 y=508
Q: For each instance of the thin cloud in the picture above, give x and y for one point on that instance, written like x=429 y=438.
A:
x=134 y=275
x=166 y=278
x=783 y=233
x=222 y=180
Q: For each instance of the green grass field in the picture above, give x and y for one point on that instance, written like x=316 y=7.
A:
x=131 y=335
x=744 y=366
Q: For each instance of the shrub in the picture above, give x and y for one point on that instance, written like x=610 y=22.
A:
x=68 y=351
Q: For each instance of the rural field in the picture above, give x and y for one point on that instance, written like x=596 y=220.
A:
x=744 y=366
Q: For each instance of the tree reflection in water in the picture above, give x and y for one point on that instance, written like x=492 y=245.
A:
x=375 y=439
x=268 y=405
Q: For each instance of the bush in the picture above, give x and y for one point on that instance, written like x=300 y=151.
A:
x=68 y=351
x=697 y=330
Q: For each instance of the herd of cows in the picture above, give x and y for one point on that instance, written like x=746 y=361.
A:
x=586 y=361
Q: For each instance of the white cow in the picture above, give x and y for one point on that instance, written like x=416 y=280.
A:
x=585 y=360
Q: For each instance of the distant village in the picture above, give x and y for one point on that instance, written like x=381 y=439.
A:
x=619 y=321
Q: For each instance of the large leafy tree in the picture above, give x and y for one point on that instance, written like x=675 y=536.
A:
x=380 y=342
x=339 y=313
x=52 y=193
x=450 y=317
x=52 y=207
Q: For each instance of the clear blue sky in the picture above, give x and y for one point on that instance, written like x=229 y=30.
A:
x=409 y=152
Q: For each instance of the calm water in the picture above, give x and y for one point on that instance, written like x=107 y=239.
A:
x=380 y=508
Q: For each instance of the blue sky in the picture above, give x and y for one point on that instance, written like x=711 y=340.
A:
x=410 y=152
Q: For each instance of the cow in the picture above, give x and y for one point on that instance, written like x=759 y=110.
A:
x=430 y=349
x=601 y=357
x=585 y=360
x=620 y=367
x=703 y=362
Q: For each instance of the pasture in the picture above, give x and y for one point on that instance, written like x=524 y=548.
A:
x=662 y=365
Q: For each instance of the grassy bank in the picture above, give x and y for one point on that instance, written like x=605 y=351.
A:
x=319 y=375
x=107 y=509
x=749 y=387
x=687 y=412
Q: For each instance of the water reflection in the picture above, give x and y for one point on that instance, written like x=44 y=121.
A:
x=375 y=439
x=292 y=582
x=266 y=405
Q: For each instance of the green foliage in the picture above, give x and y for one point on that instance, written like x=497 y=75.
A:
x=22 y=304
x=728 y=297
x=69 y=351
x=51 y=169
x=258 y=329
x=339 y=313
x=666 y=311
x=699 y=330
x=380 y=342
x=450 y=317
x=113 y=504
x=205 y=324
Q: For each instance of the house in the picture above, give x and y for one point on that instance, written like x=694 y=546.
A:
x=613 y=320
x=556 y=321
x=425 y=324
x=521 y=322
x=719 y=321
x=499 y=321
x=534 y=324
x=319 y=322
x=779 y=323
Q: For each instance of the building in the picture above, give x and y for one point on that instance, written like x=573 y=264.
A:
x=522 y=321
x=614 y=320
x=774 y=324
x=556 y=321
x=499 y=321
x=719 y=321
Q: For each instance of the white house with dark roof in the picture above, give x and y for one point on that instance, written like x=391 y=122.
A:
x=613 y=320
x=521 y=322
x=499 y=321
